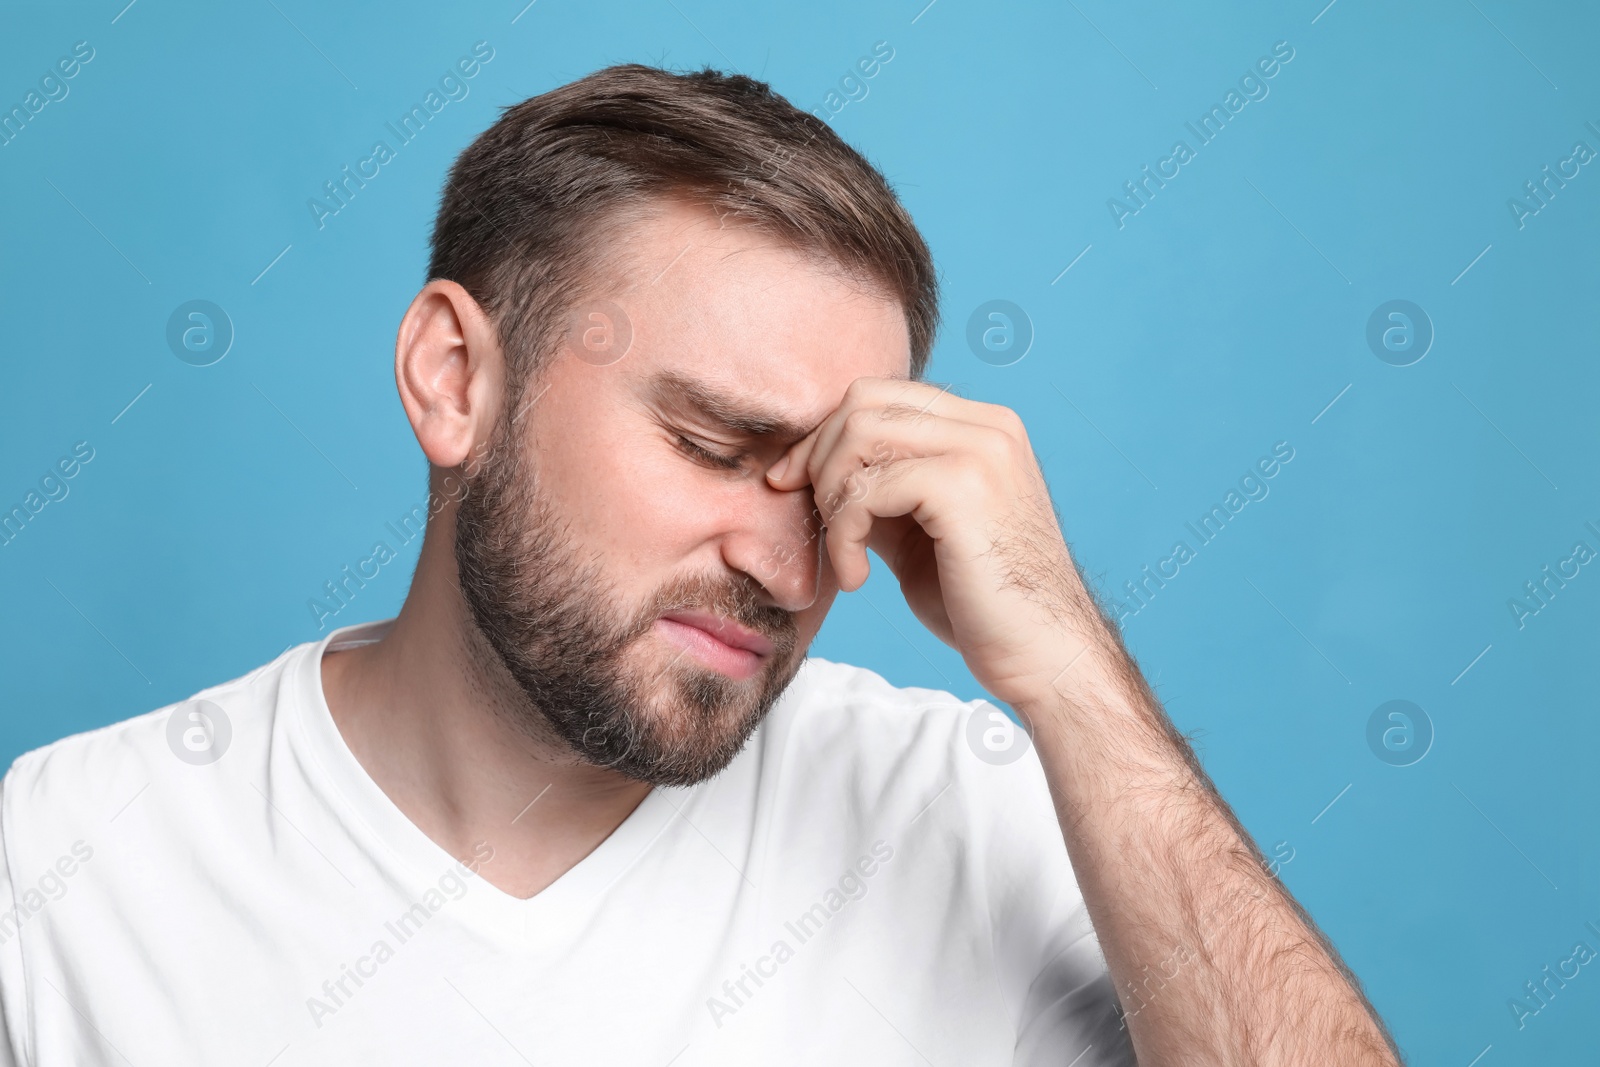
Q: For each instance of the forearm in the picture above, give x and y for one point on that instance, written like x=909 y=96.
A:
x=1213 y=960
x=948 y=492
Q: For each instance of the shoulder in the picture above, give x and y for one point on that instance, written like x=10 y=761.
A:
x=847 y=728
x=832 y=697
x=84 y=778
x=956 y=792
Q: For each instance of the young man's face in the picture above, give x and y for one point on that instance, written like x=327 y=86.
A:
x=603 y=556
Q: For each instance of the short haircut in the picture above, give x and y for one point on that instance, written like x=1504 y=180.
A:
x=532 y=212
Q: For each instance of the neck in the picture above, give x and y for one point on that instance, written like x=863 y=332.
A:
x=431 y=714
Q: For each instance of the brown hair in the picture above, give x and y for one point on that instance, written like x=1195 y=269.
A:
x=532 y=207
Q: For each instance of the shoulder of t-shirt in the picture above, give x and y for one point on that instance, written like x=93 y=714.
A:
x=829 y=695
x=58 y=775
x=851 y=742
x=848 y=728
x=842 y=719
x=907 y=760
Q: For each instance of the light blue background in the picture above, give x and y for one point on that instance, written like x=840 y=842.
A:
x=1222 y=318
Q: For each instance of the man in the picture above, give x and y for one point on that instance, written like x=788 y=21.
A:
x=585 y=800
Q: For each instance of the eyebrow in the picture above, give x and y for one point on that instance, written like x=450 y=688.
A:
x=731 y=412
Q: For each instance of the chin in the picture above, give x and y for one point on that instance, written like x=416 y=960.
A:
x=695 y=723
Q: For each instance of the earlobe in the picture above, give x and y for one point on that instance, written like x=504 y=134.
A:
x=448 y=370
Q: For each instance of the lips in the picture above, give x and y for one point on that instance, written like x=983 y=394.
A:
x=724 y=630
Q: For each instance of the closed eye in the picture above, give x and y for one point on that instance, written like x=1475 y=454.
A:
x=708 y=457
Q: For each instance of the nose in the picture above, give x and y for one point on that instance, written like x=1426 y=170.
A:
x=777 y=540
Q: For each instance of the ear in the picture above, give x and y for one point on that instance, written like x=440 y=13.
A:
x=450 y=372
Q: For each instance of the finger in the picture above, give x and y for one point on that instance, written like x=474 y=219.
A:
x=789 y=471
x=874 y=437
x=854 y=483
x=908 y=399
x=915 y=398
x=917 y=487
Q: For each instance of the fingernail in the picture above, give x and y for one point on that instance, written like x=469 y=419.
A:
x=776 y=472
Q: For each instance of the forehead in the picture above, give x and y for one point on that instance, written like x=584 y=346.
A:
x=725 y=304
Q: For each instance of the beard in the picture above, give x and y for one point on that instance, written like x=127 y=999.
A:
x=585 y=665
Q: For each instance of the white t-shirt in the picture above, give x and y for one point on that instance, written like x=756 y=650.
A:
x=858 y=886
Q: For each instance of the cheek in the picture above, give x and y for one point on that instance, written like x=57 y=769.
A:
x=631 y=504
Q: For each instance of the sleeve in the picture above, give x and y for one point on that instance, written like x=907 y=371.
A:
x=1051 y=966
x=13 y=983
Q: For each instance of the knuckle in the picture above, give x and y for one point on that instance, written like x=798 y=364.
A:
x=1008 y=420
x=858 y=420
x=997 y=445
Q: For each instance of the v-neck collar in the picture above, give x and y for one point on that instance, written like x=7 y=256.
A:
x=542 y=918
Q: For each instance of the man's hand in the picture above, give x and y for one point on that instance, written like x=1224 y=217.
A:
x=1213 y=960
x=948 y=493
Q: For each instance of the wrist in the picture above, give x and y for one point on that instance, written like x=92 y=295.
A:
x=1083 y=665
